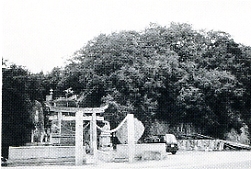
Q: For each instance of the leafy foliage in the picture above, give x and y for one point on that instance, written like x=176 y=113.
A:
x=173 y=73
x=20 y=89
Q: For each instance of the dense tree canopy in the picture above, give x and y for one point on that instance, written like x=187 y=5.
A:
x=173 y=73
x=176 y=74
x=19 y=91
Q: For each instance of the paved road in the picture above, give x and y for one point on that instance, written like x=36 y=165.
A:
x=182 y=160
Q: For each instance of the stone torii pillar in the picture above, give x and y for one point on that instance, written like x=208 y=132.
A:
x=130 y=136
x=79 y=149
x=94 y=136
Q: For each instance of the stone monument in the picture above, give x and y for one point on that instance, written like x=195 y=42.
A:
x=105 y=137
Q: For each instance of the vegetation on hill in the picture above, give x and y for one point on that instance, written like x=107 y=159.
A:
x=176 y=74
x=20 y=89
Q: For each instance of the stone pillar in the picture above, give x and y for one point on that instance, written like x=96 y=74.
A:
x=91 y=137
x=79 y=149
x=94 y=137
x=131 y=139
x=59 y=125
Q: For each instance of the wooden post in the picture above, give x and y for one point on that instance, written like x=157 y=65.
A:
x=79 y=150
x=94 y=139
x=131 y=139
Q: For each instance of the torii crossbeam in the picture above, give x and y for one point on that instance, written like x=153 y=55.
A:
x=76 y=109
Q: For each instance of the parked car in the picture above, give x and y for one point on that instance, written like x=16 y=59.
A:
x=171 y=143
x=169 y=139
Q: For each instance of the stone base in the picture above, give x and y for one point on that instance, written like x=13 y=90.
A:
x=106 y=148
x=107 y=156
x=34 y=152
x=140 y=149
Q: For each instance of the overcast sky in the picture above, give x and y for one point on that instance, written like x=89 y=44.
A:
x=42 y=34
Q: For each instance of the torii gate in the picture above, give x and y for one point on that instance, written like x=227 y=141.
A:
x=79 y=118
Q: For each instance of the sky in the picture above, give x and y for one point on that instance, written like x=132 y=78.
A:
x=42 y=34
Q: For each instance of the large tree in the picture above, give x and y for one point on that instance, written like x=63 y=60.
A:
x=173 y=73
x=19 y=91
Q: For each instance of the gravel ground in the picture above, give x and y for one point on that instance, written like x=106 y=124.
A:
x=182 y=160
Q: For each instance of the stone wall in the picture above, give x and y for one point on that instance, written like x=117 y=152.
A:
x=162 y=128
x=200 y=145
x=33 y=152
